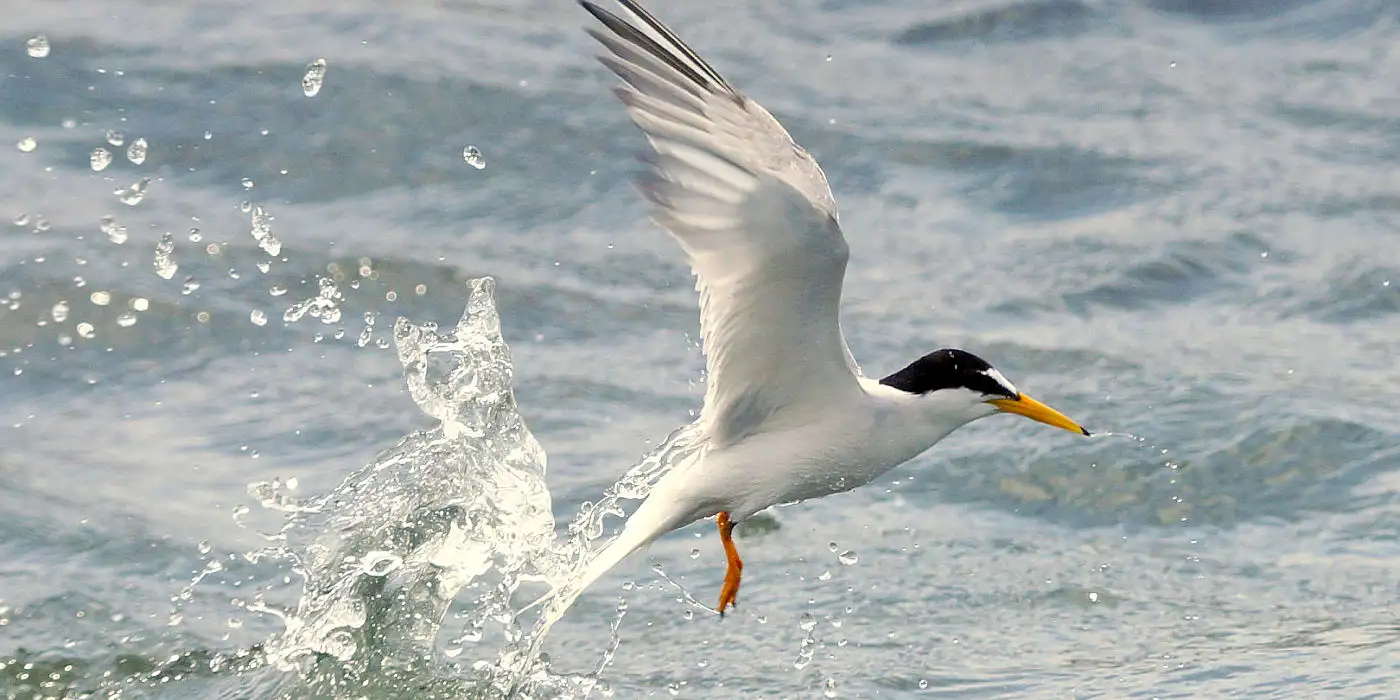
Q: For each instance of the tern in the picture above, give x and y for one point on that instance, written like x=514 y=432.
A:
x=788 y=416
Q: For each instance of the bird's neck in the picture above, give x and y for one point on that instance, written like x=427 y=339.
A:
x=907 y=424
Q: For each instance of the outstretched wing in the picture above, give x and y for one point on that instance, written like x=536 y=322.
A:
x=755 y=215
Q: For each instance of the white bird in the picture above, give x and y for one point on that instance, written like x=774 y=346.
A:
x=788 y=415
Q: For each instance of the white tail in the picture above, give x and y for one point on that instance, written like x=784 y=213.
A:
x=655 y=517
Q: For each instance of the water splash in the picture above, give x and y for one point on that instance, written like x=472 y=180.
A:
x=461 y=504
x=460 y=510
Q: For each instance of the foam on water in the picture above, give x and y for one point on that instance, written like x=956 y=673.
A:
x=459 y=511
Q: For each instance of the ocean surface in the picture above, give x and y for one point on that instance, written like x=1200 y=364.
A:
x=1178 y=221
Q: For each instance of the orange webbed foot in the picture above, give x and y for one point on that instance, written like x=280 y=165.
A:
x=729 y=593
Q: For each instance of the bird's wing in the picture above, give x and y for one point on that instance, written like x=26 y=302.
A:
x=755 y=215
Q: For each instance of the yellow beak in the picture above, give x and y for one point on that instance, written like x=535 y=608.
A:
x=1037 y=411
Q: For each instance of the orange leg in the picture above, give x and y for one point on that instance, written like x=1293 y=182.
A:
x=729 y=594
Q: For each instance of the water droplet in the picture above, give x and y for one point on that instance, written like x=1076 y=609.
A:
x=21 y=219
x=264 y=266
x=825 y=576
x=247 y=183
x=847 y=558
x=832 y=546
x=140 y=304
x=165 y=257
x=100 y=159
x=262 y=232
x=100 y=298
x=37 y=47
x=923 y=684
x=277 y=290
x=116 y=138
x=829 y=688
x=27 y=144
x=314 y=77
x=204 y=547
x=126 y=320
x=808 y=623
x=366 y=335
x=190 y=286
x=86 y=330
x=472 y=155
x=340 y=644
x=380 y=563
x=115 y=232
x=176 y=619
x=694 y=554
x=258 y=317
x=136 y=152
x=131 y=196
x=59 y=312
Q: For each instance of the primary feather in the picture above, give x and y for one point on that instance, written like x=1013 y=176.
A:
x=755 y=216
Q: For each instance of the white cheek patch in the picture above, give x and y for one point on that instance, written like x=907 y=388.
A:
x=996 y=377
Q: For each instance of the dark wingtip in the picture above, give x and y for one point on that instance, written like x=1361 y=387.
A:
x=593 y=9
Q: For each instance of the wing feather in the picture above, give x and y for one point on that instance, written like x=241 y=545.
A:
x=754 y=213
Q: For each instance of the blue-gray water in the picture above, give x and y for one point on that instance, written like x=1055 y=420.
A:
x=1170 y=218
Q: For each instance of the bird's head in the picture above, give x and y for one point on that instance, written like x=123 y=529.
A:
x=965 y=385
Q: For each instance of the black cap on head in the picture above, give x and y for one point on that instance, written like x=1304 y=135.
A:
x=949 y=368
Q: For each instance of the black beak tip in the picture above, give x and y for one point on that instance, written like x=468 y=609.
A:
x=1086 y=432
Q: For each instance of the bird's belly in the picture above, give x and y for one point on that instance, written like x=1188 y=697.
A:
x=824 y=478
x=797 y=465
